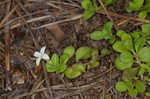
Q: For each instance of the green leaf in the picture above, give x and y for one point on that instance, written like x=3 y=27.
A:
x=75 y=71
x=107 y=2
x=127 y=41
x=88 y=14
x=69 y=51
x=83 y=53
x=61 y=68
x=135 y=5
x=140 y=86
x=64 y=59
x=106 y=33
x=105 y=52
x=70 y=73
x=141 y=71
x=121 y=86
x=97 y=35
x=146 y=5
x=128 y=44
x=118 y=46
x=112 y=39
x=146 y=29
x=147 y=94
x=107 y=30
x=120 y=33
x=95 y=54
x=79 y=67
x=142 y=14
x=129 y=74
x=139 y=43
x=124 y=61
x=144 y=54
x=94 y=51
x=93 y=64
x=129 y=85
x=95 y=5
x=143 y=68
x=55 y=59
x=86 y=4
x=52 y=65
x=132 y=92
x=126 y=57
x=135 y=35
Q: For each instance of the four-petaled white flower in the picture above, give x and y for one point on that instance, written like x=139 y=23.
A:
x=41 y=55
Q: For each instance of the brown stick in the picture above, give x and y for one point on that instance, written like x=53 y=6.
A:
x=8 y=15
x=105 y=10
x=124 y=17
x=7 y=39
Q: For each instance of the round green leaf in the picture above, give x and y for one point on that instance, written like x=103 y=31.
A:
x=95 y=53
x=135 y=35
x=129 y=85
x=61 y=68
x=83 y=53
x=79 y=67
x=107 y=30
x=118 y=46
x=124 y=61
x=112 y=39
x=70 y=73
x=55 y=59
x=127 y=41
x=88 y=13
x=128 y=44
x=50 y=67
x=145 y=29
x=139 y=43
x=64 y=58
x=93 y=64
x=120 y=33
x=144 y=54
x=140 y=86
x=132 y=92
x=86 y=4
x=105 y=52
x=129 y=74
x=69 y=51
x=143 y=14
x=96 y=35
x=147 y=94
x=121 y=86
x=126 y=57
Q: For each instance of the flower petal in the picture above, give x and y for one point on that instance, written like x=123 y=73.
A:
x=45 y=57
x=43 y=50
x=38 y=61
x=37 y=54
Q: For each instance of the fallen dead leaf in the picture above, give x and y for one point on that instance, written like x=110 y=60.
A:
x=57 y=32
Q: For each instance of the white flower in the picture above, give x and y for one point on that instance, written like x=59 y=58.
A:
x=41 y=55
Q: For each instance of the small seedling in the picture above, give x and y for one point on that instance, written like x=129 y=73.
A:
x=90 y=7
x=139 y=5
x=59 y=64
x=133 y=49
x=105 y=33
x=134 y=58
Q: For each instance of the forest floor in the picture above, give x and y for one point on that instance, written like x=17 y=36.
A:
x=28 y=25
